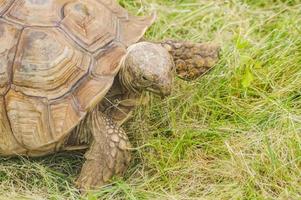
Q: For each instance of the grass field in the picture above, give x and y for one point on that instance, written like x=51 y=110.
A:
x=233 y=134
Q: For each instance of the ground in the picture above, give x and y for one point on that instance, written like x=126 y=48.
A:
x=232 y=134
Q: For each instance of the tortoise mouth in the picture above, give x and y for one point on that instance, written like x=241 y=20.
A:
x=160 y=91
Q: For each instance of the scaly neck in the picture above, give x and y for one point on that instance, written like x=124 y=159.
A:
x=126 y=77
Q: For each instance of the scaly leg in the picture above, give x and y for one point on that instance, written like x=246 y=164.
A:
x=192 y=60
x=108 y=154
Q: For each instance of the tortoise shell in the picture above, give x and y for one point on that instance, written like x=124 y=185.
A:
x=58 y=59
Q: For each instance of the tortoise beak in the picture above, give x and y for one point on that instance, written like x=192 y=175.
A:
x=163 y=89
x=165 y=85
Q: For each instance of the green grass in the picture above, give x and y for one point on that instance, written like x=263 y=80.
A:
x=232 y=134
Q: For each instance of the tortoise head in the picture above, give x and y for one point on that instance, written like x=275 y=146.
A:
x=147 y=66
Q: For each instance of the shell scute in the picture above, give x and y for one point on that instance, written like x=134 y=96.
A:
x=9 y=35
x=8 y=143
x=90 y=23
x=92 y=90
x=36 y=12
x=107 y=61
x=47 y=64
x=4 y=5
x=65 y=115
x=118 y=10
x=29 y=120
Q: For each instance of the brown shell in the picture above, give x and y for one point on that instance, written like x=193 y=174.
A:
x=58 y=59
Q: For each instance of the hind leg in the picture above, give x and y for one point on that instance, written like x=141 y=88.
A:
x=108 y=154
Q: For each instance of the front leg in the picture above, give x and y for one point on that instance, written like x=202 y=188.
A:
x=192 y=60
x=120 y=108
x=108 y=154
x=119 y=103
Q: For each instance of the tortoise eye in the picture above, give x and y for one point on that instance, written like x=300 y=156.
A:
x=144 y=78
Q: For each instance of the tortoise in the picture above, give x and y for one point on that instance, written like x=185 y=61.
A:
x=59 y=61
